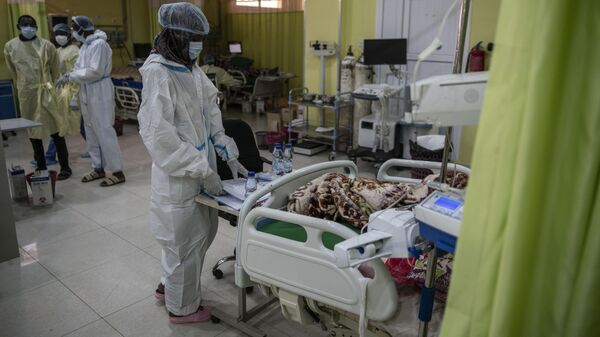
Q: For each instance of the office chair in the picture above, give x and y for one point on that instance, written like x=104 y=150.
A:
x=250 y=157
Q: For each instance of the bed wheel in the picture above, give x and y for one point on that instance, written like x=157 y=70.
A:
x=218 y=274
x=215 y=320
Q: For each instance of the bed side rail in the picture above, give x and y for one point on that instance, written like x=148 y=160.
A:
x=405 y=163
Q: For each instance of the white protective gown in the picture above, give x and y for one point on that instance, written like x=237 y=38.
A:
x=97 y=102
x=180 y=124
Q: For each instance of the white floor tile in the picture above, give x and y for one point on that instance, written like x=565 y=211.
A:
x=155 y=251
x=117 y=283
x=54 y=226
x=98 y=328
x=107 y=205
x=22 y=274
x=24 y=211
x=73 y=255
x=136 y=230
x=48 y=311
x=149 y=319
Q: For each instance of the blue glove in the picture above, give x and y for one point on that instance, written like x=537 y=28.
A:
x=62 y=81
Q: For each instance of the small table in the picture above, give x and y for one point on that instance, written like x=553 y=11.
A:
x=240 y=322
x=9 y=247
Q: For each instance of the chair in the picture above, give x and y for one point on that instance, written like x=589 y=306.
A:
x=250 y=157
x=127 y=102
x=267 y=87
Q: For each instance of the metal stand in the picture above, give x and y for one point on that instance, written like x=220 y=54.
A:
x=241 y=322
x=428 y=292
x=457 y=69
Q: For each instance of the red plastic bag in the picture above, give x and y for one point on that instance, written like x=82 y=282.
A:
x=400 y=269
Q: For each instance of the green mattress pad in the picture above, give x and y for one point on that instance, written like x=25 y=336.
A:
x=296 y=232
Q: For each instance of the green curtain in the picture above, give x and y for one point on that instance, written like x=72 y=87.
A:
x=528 y=256
x=35 y=8
x=272 y=39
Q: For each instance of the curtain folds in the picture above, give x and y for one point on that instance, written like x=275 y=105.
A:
x=529 y=248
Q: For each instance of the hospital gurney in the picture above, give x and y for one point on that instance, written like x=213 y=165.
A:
x=300 y=270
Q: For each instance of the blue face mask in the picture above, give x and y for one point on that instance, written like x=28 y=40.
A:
x=195 y=48
x=78 y=37
x=28 y=32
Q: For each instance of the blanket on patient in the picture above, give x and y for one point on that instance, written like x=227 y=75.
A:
x=334 y=196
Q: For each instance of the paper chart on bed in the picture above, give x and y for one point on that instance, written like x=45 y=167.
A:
x=236 y=193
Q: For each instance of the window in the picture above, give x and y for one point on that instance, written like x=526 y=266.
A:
x=259 y=3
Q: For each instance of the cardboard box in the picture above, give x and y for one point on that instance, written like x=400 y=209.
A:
x=41 y=189
x=273 y=121
x=18 y=183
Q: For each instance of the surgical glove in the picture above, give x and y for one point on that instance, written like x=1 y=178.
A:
x=236 y=167
x=213 y=185
x=63 y=80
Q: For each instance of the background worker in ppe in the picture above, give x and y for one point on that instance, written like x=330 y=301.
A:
x=96 y=98
x=34 y=65
x=68 y=96
x=180 y=124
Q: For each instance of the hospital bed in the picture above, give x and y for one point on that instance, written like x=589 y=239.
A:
x=291 y=257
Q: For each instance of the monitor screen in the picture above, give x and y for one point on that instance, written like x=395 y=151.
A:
x=385 y=51
x=235 y=47
x=447 y=203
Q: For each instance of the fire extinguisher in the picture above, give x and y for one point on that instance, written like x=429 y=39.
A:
x=476 y=59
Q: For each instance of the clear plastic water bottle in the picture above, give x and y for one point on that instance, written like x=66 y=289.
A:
x=288 y=164
x=251 y=183
x=278 y=160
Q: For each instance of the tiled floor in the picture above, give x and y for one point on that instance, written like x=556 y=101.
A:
x=89 y=264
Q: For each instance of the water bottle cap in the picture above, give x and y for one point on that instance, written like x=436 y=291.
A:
x=278 y=146
x=251 y=174
x=289 y=145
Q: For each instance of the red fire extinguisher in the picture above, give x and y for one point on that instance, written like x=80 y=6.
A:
x=476 y=59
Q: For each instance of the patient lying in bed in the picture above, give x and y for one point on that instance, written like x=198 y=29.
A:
x=334 y=196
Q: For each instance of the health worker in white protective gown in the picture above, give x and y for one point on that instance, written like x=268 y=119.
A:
x=96 y=98
x=180 y=124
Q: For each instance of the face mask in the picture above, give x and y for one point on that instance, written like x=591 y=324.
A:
x=78 y=37
x=28 y=32
x=62 y=39
x=195 y=49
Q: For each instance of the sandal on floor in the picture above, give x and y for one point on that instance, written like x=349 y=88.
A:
x=113 y=179
x=159 y=293
x=94 y=175
x=64 y=174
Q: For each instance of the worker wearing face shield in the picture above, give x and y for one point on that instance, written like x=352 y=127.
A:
x=96 y=98
x=180 y=124
x=34 y=66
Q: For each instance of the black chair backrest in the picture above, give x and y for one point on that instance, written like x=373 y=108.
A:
x=243 y=136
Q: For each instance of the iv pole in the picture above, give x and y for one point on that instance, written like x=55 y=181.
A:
x=463 y=20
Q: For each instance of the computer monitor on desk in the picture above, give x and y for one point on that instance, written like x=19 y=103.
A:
x=385 y=51
x=235 y=47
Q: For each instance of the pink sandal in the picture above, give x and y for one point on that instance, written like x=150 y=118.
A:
x=159 y=293
x=202 y=315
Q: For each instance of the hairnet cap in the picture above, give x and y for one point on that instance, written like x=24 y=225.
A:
x=84 y=22
x=183 y=16
x=62 y=28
